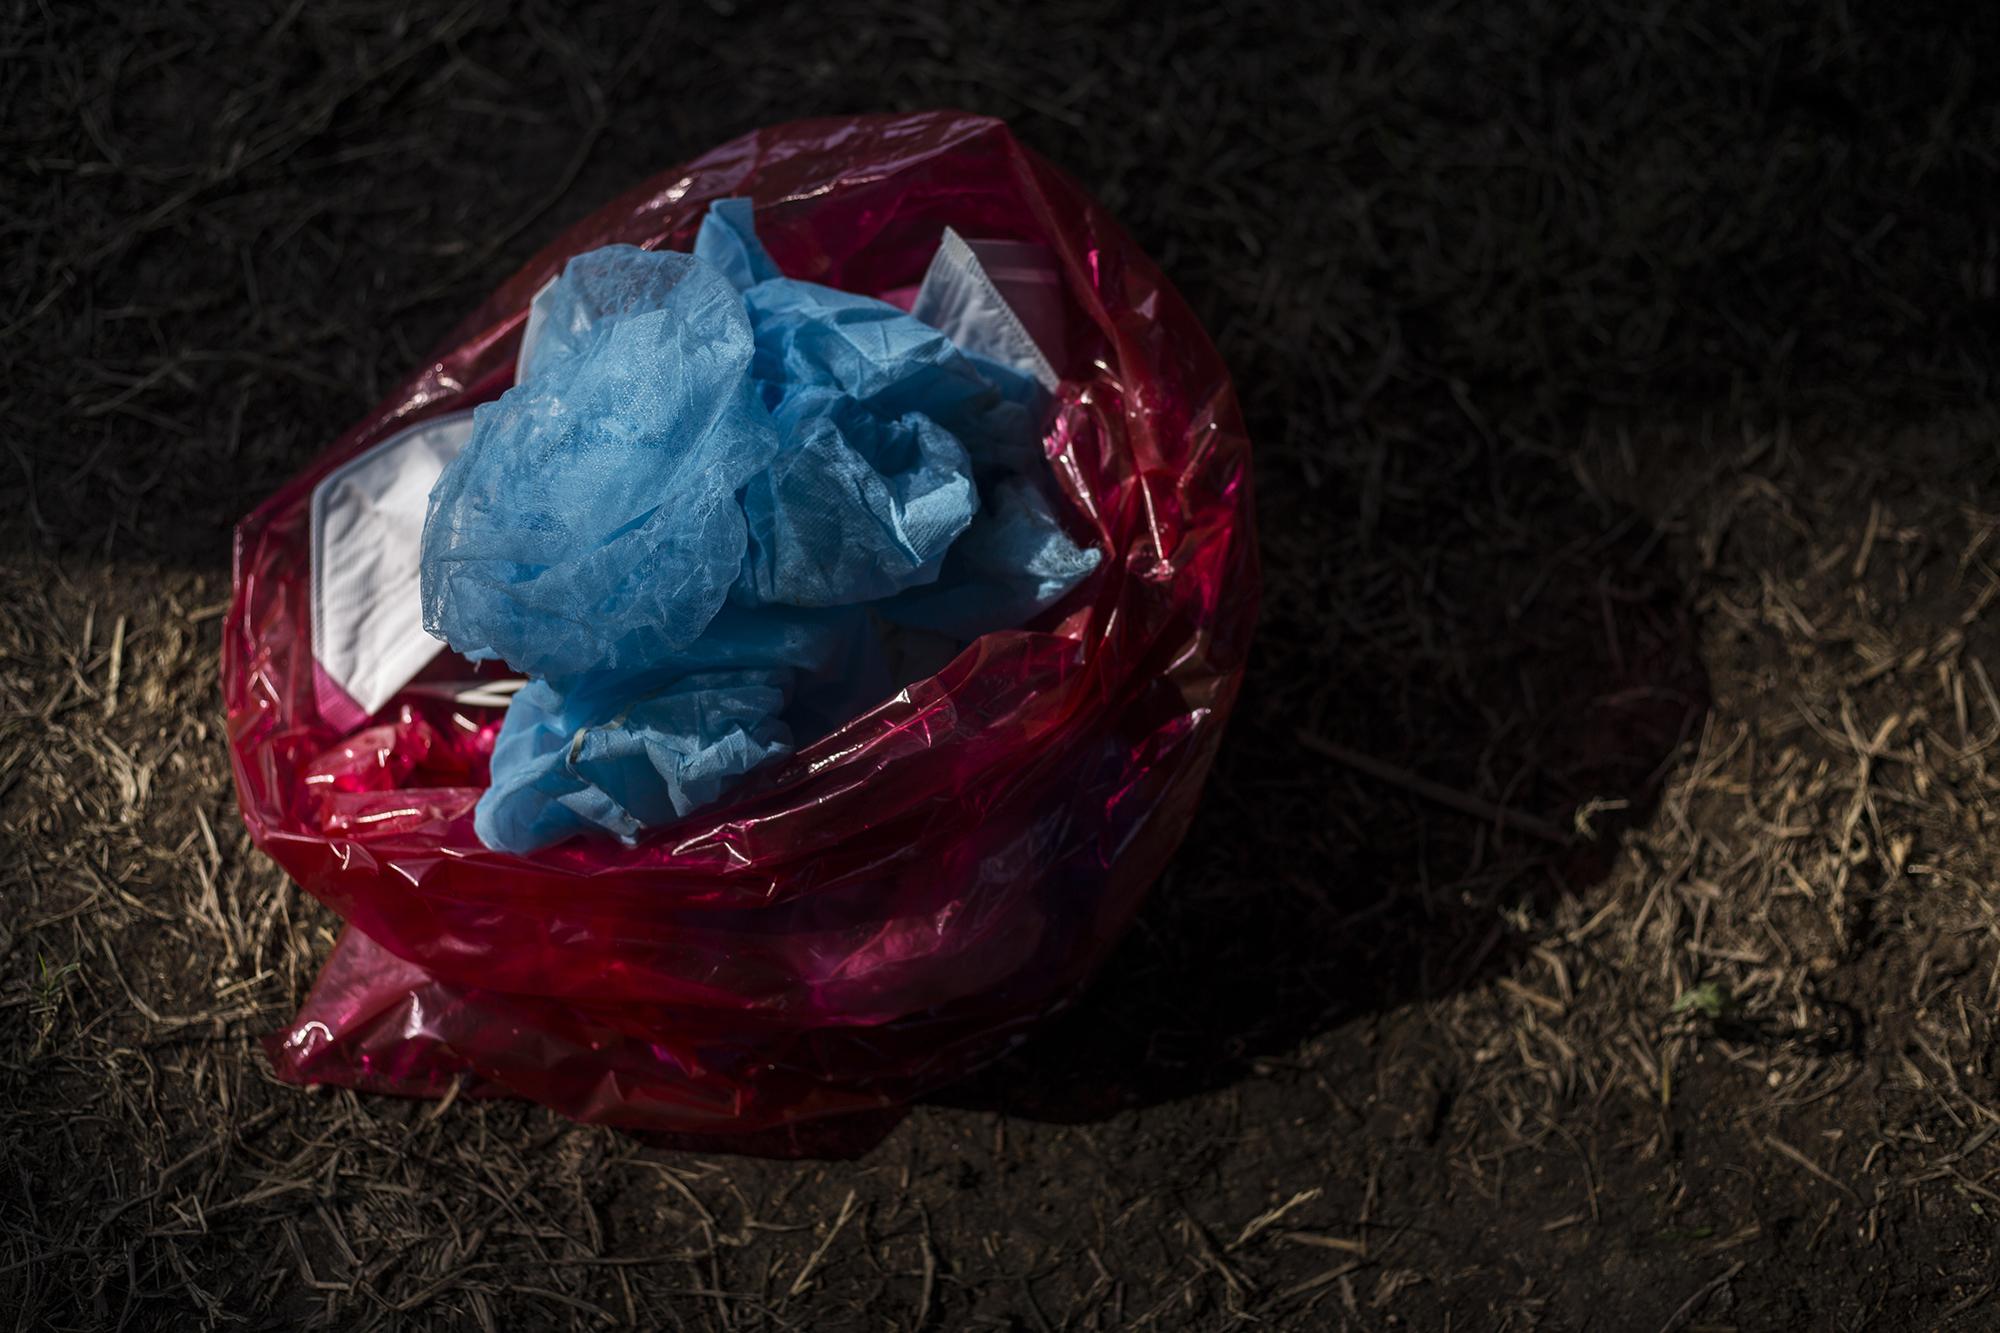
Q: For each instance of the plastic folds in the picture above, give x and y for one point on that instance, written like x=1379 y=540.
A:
x=876 y=909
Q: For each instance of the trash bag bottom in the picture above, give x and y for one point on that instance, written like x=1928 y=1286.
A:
x=689 y=521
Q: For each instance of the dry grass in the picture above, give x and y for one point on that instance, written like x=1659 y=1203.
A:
x=1592 y=921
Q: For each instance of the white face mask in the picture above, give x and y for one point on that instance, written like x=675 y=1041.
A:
x=996 y=299
x=367 y=536
x=1001 y=300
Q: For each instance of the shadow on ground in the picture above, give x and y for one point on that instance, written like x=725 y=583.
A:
x=1508 y=635
x=1546 y=668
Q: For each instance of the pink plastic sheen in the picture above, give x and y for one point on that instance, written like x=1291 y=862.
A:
x=894 y=905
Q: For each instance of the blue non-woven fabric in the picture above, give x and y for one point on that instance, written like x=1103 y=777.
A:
x=1013 y=563
x=592 y=521
x=624 y=751
x=859 y=387
x=624 y=760
x=681 y=517
x=871 y=484
x=728 y=242
x=854 y=508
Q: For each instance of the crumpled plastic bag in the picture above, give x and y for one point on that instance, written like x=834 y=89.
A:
x=891 y=905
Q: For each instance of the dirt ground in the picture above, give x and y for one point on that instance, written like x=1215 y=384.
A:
x=1621 y=377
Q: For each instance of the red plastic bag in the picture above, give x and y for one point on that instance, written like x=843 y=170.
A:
x=892 y=906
